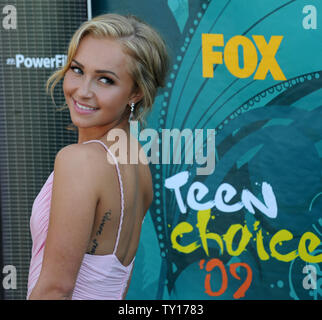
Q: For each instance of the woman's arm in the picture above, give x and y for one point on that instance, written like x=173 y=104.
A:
x=74 y=200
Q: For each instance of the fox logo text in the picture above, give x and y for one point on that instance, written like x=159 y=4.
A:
x=230 y=56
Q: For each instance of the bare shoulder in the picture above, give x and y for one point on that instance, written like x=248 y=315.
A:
x=76 y=154
x=87 y=156
x=80 y=162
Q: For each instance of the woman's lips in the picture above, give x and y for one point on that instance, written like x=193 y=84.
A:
x=79 y=109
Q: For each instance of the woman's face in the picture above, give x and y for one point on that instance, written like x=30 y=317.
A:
x=98 y=86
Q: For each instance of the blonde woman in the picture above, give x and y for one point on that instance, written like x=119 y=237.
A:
x=86 y=220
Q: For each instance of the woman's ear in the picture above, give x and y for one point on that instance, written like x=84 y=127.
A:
x=136 y=96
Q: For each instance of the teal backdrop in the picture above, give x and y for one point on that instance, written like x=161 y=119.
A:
x=260 y=238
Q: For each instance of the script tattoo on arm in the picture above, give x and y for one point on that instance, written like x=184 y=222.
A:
x=99 y=231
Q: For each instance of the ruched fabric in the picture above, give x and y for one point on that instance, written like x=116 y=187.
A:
x=101 y=277
x=38 y=228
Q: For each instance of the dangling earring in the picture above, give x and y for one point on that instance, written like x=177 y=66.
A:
x=132 y=112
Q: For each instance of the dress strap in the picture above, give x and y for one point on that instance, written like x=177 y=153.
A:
x=121 y=189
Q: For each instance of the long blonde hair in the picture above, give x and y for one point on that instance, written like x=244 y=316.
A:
x=149 y=61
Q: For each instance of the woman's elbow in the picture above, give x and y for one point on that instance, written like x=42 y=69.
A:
x=51 y=292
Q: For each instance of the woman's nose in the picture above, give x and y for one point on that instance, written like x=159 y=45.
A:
x=85 y=89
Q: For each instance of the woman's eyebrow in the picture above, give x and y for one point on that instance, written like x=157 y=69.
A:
x=97 y=71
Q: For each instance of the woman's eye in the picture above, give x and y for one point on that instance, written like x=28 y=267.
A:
x=75 y=69
x=107 y=80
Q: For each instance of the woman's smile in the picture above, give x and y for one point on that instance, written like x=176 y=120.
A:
x=82 y=109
